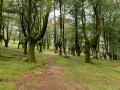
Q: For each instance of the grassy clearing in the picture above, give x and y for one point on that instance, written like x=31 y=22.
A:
x=103 y=74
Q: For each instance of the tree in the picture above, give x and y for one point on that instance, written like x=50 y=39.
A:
x=1 y=7
x=89 y=43
x=8 y=33
x=32 y=38
x=77 y=47
x=60 y=39
x=55 y=41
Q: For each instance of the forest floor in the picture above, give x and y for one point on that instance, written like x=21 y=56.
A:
x=54 y=72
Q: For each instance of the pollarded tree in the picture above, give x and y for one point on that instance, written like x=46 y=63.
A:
x=88 y=43
x=28 y=14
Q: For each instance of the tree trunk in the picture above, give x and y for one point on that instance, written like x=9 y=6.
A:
x=25 y=47
x=54 y=29
x=6 y=43
x=94 y=49
x=14 y=40
x=64 y=47
x=78 y=52
x=77 y=47
x=1 y=4
x=18 y=45
x=31 y=53
x=48 y=46
x=64 y=40
x=60 y=42
x=87 y=42
x=60 y=48
x=31 y=23
x=7 y=40
x=44 y=46
x=87 y=53
x=40 y=44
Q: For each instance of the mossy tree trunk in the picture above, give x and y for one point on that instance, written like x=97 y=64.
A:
x=55 y=41
x=30 y=20
x=31 y=48
x=89 y=43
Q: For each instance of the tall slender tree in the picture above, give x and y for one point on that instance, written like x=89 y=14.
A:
x=55 y=28
x=60 y=40
x=1 y=7
x=77 y=47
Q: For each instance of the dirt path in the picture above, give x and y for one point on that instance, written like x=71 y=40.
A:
x=52 y=78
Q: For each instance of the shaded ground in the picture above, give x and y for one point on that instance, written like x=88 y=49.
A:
x=52 y=78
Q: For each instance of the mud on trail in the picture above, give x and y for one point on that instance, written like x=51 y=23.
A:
x=52 y=78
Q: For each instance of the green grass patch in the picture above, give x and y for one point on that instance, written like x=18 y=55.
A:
x=12 y=64
x=103 y=74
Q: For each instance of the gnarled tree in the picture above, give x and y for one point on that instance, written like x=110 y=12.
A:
x=88 y=43
x=30 y=18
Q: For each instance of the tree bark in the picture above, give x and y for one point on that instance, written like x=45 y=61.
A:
x=25 y=46
x=30 y=24
x=60 y=42
x=1 y=7
x=77 y=47
x=87 y=52
x=55 y=51
x=40 y=44
x=89 y=43
x=6 y=43
x=31 y=54
x=8 y=35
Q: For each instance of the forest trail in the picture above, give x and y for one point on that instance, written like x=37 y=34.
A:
x=52 y=78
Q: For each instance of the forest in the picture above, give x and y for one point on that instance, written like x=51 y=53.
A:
x=59 y=44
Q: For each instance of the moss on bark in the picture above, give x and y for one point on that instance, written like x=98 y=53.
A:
x=31 y=54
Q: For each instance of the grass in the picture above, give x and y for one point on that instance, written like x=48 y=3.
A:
x=12 y=64
x=102 y=75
